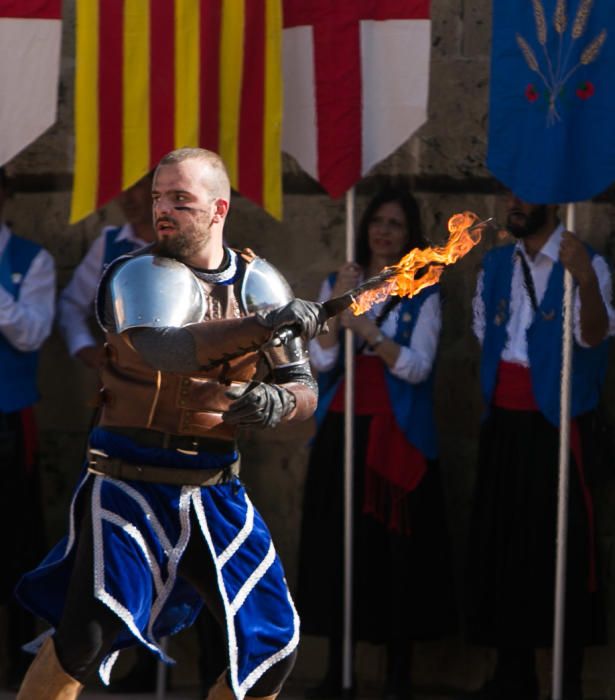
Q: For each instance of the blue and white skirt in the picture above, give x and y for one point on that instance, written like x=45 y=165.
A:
x=141 y=531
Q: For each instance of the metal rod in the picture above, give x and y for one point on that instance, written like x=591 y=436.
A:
x=347 y=646
x=161 y=672
x=564 y=460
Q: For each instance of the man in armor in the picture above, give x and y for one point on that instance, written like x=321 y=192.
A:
x=159 y=522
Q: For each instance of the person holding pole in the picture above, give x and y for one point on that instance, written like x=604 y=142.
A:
x=160 y=523
x=512 y=540
x=402 y=586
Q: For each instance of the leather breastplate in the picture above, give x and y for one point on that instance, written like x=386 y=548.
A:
x=134 y=395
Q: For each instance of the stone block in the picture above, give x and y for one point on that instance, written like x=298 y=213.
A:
x=476 y=41
x=446 y=29
x=453 y=142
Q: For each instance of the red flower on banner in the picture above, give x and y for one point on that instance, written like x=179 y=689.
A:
x=585 y=90
x=531 y=94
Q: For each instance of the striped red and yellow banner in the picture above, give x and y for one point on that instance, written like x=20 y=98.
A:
x=154 y=75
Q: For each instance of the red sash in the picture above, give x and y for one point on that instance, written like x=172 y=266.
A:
x=393 y=467
x=30 y=437
x=513 y=389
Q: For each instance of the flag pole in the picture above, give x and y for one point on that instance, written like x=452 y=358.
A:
x=564 y=459
x=347 y=646
x=161 y=672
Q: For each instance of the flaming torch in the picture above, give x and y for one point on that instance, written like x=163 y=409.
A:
x=418 y=269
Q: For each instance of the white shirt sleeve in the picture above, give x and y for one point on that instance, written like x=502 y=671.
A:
x=323 y=359
x=26 y=322
x=76 y=301
x=603 y=274
x=415 y=362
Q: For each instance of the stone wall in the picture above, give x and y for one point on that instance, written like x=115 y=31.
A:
x=445 y=161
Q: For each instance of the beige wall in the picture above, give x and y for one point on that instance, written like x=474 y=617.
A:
x=445 y=158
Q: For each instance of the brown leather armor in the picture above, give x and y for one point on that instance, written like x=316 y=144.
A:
x=137 y=396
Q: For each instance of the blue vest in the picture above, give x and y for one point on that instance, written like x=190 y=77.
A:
x=544 y=339
x=114 y=248
x=412 y=403
x=17 y=369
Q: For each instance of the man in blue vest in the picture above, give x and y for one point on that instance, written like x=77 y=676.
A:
x=27 y=293
x=511 y=565
x=76 y=301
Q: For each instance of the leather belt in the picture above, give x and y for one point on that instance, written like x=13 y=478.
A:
x=102 y=465
x=185 y=443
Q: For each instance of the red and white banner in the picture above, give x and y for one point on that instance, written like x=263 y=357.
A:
x=356 y=77
x=30 y=37
x=154 y=75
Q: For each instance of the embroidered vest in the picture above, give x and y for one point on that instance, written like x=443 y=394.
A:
x=17 y=369
x=412 y=403
x=114 y=248
x=544 y=339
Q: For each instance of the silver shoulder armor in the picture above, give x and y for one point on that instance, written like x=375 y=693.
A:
x=148 y=291
x=265 y=288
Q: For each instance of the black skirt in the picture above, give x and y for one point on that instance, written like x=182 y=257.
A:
x=22 y=529
x=402 y=583
x=510 y=581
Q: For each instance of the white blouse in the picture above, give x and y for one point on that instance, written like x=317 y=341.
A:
x=26 y=322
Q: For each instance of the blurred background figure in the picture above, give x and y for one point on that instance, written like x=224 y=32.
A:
x=27 y=305
x=76 y=301
x=402 y=584
x=511 y=551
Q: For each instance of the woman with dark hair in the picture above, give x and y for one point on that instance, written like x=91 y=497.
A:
x=402 y=587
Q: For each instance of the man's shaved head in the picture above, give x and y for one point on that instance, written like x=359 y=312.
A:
x=214 y=171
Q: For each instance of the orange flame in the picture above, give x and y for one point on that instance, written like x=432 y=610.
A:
x=404 y=282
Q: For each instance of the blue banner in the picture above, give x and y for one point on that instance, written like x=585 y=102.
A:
x=552 y=98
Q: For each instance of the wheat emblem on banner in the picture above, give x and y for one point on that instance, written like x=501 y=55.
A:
x=554 y=67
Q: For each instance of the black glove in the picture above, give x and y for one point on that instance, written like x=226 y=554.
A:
x=259 y=405
x=307 y=316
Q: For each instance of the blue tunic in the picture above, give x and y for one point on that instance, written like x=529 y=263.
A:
x=141 y=531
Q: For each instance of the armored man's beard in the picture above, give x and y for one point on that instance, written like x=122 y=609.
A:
x=522 y=225
x=179 y=244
